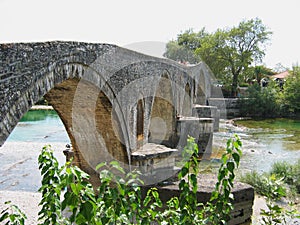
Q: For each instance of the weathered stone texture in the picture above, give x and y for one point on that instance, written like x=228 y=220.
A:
x=112 y=101
x=96 y=88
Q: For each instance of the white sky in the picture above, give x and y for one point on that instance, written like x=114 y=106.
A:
x=123 y=22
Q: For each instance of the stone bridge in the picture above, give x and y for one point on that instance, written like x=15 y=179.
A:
x=116 y=104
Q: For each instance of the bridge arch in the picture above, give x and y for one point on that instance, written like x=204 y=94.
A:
x=118 y=77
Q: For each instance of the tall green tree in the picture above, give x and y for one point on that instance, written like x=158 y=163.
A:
x=291 y=92
x=183 y=48
x=228 y=52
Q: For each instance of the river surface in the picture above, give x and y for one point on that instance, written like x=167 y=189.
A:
x=39 y=126
x=264 y=142
x=19 y=154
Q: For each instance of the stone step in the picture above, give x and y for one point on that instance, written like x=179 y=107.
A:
x=156 y=162
x=207 y=112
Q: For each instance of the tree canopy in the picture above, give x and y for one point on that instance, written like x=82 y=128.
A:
x=228 y=52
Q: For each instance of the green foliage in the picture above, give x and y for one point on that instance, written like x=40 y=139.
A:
x=119 y=197
x=68 y=197
x=272 y=101
x=12 y=215
x=289 y=172
x=276 y=214
x=273 y=186
x=291 y=93
x=221 y=200
x=265 y=184
x=228 y=52
x=261 y=102
x=180 y=53
x=255 y=73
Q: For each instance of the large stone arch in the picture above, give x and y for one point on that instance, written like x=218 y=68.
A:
x=120 y=78
x=91 y=123
x=75 y=83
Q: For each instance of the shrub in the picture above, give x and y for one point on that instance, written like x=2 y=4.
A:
x=291 y=93
x=261 y=102
x=266 y=185
x=290 y=173
x=12 y=215
x=119 y=200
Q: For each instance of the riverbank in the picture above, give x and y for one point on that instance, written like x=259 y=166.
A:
x=19 y=164
x=20 y=177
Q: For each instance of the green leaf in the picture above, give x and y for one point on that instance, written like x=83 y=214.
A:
x=87 y=210
x=230 y=166
x=236 y=157
x=100 y=165
x=184 y=171
x=4 y=216
x=74 y=188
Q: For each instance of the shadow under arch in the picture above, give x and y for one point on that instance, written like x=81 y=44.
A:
x=93 y=119
x=163 y=125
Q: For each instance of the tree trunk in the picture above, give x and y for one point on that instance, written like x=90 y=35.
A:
x=234 y=85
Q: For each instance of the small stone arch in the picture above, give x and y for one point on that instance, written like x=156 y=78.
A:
x=162 y=124
x=187 y=101
x=140 y=117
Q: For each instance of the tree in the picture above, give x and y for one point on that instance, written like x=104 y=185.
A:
x=183 y=49
x=228 y=52
x=255 y=73
x=180 y=53
x=291 y=92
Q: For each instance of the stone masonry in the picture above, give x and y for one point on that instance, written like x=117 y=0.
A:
x=95 y=89
x=115 y=104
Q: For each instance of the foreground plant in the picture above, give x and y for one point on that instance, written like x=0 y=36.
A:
x=12 y=215
x=282 y=179
x=276 y=214
x=68 y=197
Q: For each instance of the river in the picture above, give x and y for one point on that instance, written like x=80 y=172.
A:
x=19 y=154
x=264 y=142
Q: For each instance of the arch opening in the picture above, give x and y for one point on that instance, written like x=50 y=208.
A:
x=140 y=123
x=163 y=116
x=91 y=122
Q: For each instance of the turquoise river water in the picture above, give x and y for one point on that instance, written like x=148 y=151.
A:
x=264 y=142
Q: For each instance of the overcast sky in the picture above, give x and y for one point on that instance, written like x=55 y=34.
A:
x=124 y=22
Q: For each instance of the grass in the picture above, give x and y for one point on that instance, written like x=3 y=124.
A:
x=289 y=172
x=283 y=178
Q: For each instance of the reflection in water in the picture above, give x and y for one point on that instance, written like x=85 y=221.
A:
x=264 y=141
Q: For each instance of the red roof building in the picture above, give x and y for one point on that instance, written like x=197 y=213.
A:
x=282 y=75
